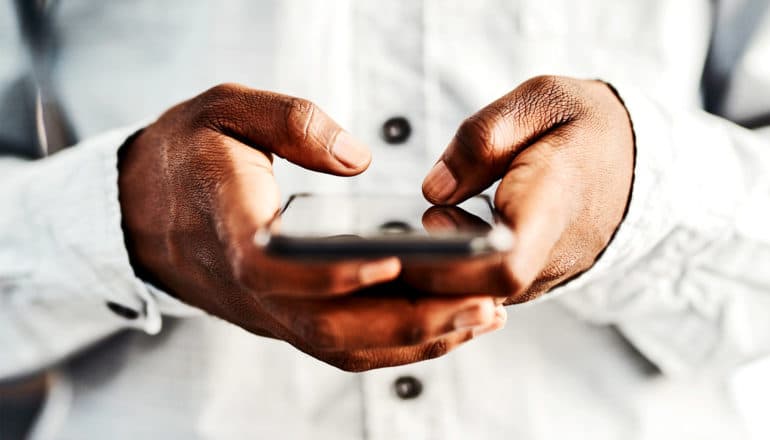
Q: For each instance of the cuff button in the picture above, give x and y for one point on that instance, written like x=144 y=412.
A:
x=122 y=311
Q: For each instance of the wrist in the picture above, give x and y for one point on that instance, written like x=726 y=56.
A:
x=134 y=213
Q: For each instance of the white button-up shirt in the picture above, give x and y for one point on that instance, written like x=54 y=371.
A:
x=640 y=346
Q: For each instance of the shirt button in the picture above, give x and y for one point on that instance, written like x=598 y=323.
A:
x=396 y=130
x=122 y=311
x=408 y=387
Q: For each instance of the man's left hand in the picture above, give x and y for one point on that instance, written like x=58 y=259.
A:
x=564 y=150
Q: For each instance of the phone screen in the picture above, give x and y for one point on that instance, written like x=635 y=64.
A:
x=369 y=216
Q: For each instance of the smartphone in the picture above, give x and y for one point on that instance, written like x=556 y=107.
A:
x=314 y=226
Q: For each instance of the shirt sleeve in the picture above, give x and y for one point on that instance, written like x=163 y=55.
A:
x=65 y=277
x=686 y=279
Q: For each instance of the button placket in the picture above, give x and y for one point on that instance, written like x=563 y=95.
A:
x=410 y=401
x=408 y=387
x=396 y=130
x=389 y=104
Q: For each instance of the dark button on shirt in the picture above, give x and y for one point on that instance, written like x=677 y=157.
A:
x=408 y=387
x=122 y=311
x=396 y=130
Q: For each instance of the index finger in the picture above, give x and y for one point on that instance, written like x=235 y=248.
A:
x=247 y=200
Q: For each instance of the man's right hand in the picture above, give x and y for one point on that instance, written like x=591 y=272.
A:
x=197 y=184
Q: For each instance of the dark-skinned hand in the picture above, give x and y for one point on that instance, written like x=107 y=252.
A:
x=562 y=150
x=195 y=187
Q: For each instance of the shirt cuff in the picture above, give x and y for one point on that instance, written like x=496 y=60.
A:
x=161 y=302
x=94 y=229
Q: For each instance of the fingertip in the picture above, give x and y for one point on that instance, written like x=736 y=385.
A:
x=500 y=313
x=480 y=314
x=379 y=271
x=392 y=266
x=488 y=309
x=353 y=154
x=497 y=325
x=498 y=322
x=440 y=184
x=436 y=220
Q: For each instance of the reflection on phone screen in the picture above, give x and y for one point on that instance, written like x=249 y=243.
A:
x=366 y=216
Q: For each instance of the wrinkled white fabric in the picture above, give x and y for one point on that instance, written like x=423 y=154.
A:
x=684 y=286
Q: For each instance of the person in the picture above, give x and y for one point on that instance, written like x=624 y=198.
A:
x=638 y=281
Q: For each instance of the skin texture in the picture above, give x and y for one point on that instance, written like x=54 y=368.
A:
x=563 y=150
x=197 y=185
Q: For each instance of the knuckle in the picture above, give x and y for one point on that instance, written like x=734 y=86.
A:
x=435 y=349
x=222 y=92
x=299 y=116
x=318 y=331
x=219 y=105
x=553 y=88
x=555 y=100
x=545 y=83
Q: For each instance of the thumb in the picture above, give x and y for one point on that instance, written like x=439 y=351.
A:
x=486 y=143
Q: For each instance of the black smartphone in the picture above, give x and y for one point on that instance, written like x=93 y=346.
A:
x=312 y=226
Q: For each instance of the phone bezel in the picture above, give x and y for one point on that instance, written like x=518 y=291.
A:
x=462 y=245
